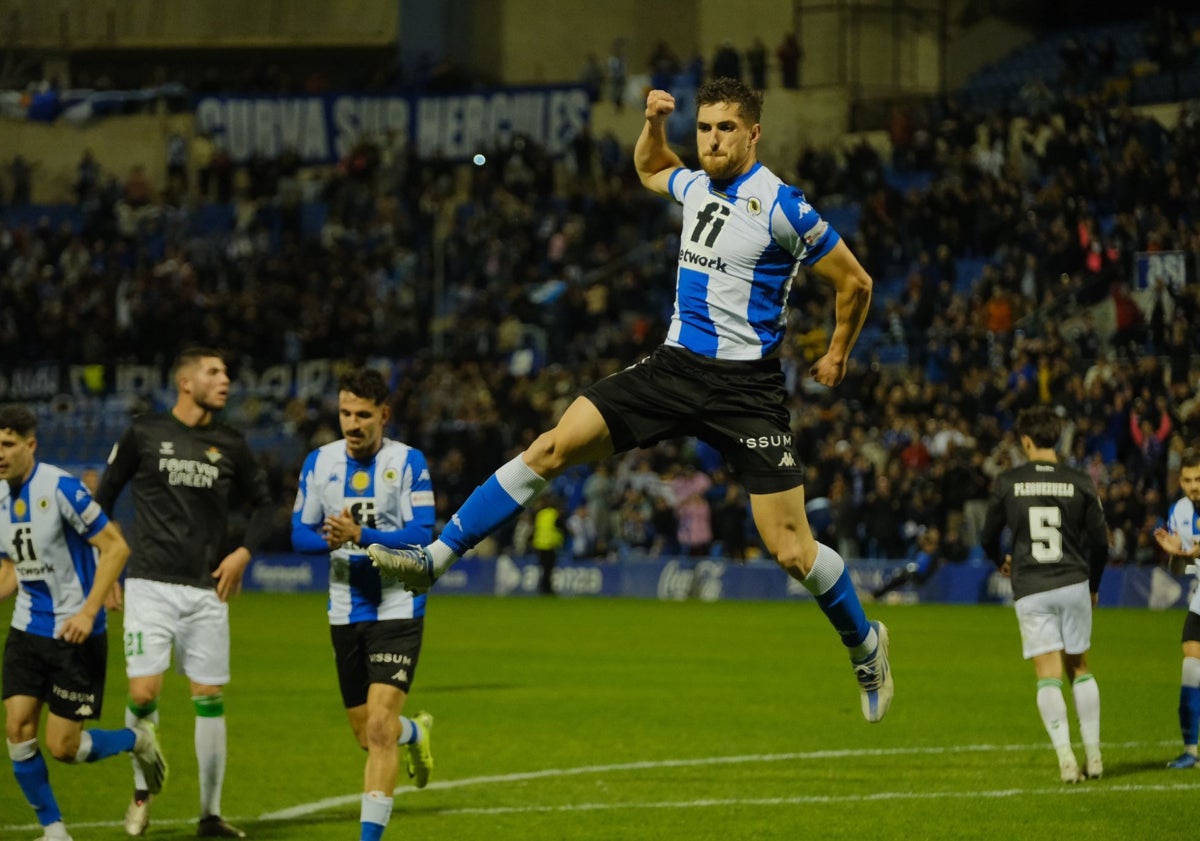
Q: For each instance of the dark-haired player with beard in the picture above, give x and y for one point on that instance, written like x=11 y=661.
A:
x=746 y=234
x=366 y=488
x=1059 y=548
x=187 y=470
x=1181 y=538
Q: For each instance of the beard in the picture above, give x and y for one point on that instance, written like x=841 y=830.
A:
x=211 y=404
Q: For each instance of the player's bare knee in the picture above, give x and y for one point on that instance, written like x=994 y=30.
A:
x=63 y=749
x=383 y=729
x=796 y=557
x=18 y=731
x=140 y=696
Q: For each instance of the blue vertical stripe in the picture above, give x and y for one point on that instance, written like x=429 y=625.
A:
x=41 y=608
x=366 y=587
x=768 y=295
x=697 y=331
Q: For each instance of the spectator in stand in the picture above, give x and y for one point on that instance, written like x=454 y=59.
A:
x=756 y=60
x=727 y=62
x=790 y=55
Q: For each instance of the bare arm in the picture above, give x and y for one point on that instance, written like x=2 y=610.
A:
x=652 y=157
x=114 y=551
x=8 y=577
x=853 y=287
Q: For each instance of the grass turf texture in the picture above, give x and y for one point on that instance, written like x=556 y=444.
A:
x=627 y=719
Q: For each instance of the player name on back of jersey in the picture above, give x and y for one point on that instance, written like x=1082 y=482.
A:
x=1043 y=489
x=185 y=471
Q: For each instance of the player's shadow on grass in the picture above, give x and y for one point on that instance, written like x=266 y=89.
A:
x=1126 y=769
x=468 y=687
x=302 y=827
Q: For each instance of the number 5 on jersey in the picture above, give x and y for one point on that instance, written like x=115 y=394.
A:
x=1044 y=534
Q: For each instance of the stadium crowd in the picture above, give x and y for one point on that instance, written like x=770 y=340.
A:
x=552 y=274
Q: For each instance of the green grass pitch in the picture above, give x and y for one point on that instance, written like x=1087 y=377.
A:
x=628 y=719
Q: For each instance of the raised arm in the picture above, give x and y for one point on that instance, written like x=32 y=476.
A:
x=652 y=157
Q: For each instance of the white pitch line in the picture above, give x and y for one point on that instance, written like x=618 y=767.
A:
x=305 y=809
x=810 y=799
x=331 y=802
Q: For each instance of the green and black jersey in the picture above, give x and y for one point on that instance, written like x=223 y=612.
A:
x=1059 y=536
x=185 y=480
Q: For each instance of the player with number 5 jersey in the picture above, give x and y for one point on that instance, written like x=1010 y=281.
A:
x=1059 y=548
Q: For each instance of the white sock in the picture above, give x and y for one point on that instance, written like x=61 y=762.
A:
x=85 y=747
x=376 y=808
x=408 y=732
x=210 y=757
x=1087 y=710
x=443 y=557
x=1191 y=672
x=1053 y=708
x=139 y=779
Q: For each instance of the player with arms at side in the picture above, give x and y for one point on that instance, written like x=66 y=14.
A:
x=366 y=489
x=1181 y=537
x=1059 y=548
x=62 y=555
x=718 y=376
x=186 y=468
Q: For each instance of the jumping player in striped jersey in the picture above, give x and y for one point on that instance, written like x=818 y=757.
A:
x=718 y=377
x=1059 y=548
x=62 y=556
x=1181 y=537
x=364 y=489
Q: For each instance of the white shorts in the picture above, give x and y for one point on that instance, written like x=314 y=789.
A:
x=1056 y=620
x=158 y=615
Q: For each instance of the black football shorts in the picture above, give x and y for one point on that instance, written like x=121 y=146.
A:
x=68 y=677
x=738 y=407
x=383 y=651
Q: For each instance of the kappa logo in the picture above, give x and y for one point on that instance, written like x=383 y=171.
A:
x=166 y=448
x=80 y=494
x=84 y=710
x=401 y=676
x=787 y=460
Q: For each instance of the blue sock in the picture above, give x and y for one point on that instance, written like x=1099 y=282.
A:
x=106 y=743
x=829 y=582
x=34 y=779
x=500 y=498
x=1189 y=713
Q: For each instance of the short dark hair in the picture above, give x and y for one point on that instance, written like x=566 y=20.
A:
x=19 y=419
x=1191 y=458
x=1041 y=424
x=191 y=355
x=367 y=383
x=725 y=89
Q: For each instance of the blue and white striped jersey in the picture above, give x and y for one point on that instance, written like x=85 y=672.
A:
x=1184 y=520
x=391 y=497
x=44 y=530
x=739 y=252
